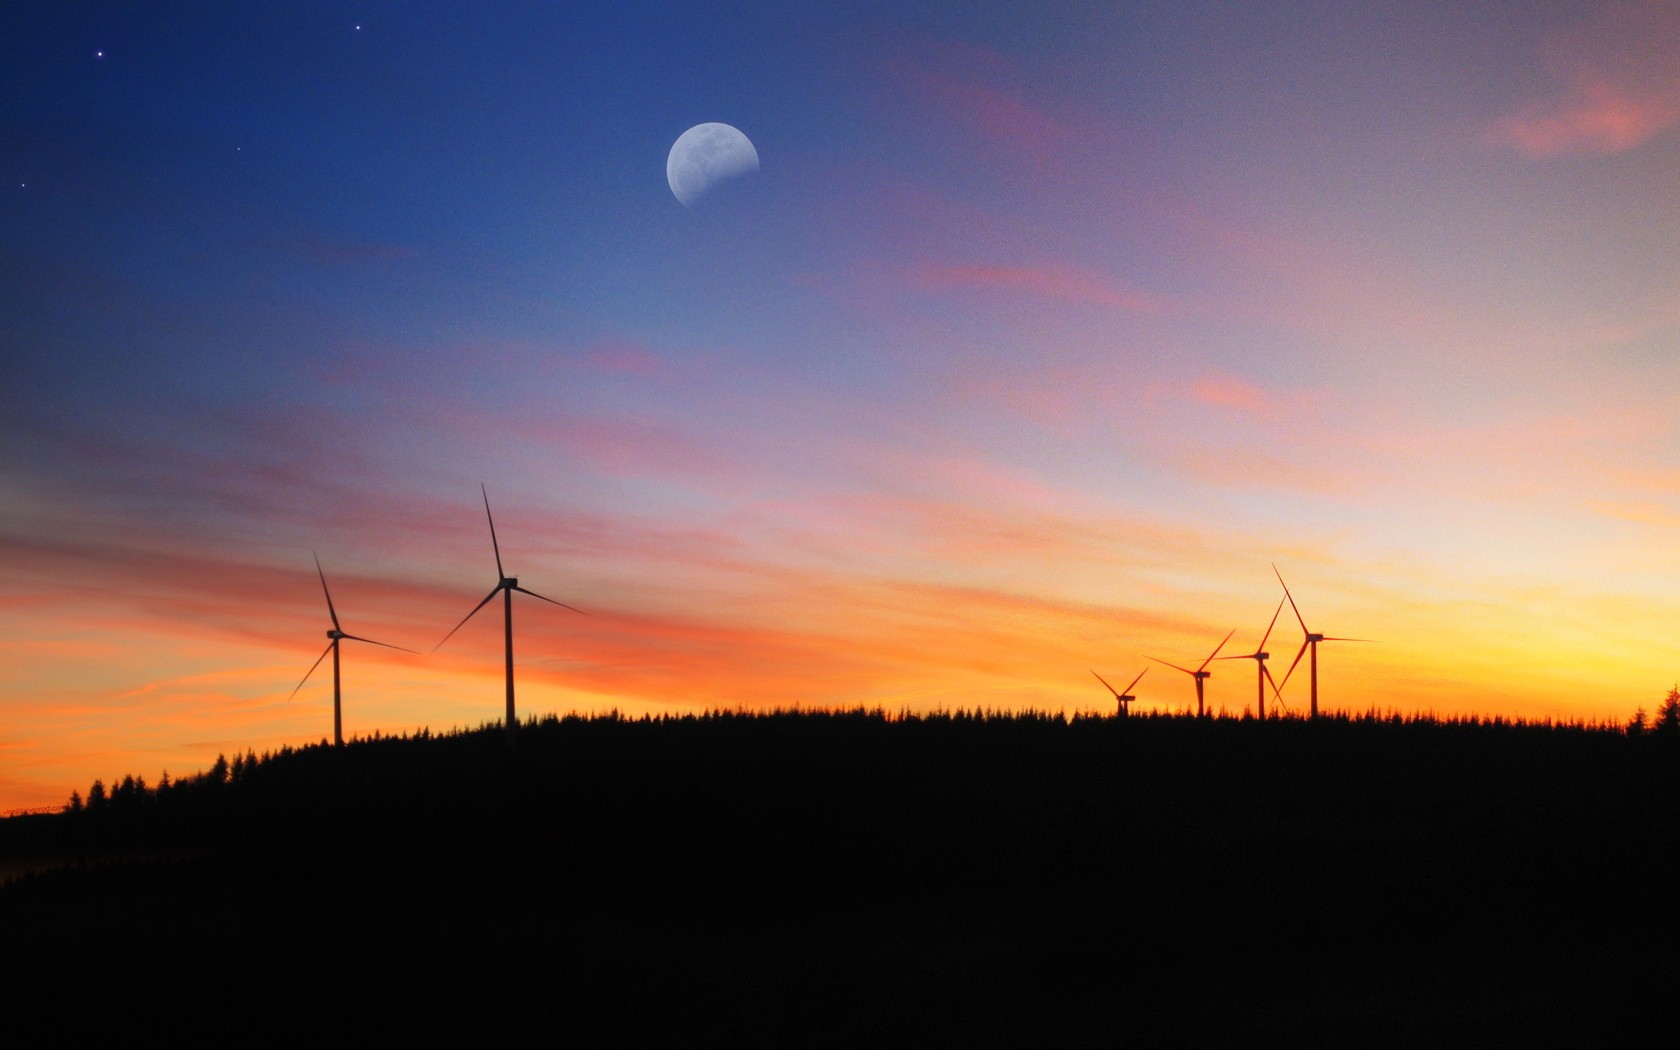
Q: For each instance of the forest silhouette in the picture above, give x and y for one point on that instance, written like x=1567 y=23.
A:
x=846 y=877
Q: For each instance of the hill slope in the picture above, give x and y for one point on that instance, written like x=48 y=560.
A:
x=846 y=878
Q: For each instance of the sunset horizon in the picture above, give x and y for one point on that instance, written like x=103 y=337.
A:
x=1027 y=347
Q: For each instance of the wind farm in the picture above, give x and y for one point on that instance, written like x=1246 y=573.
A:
x=861 y=382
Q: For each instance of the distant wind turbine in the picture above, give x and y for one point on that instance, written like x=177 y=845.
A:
x=1200 y=674
x=1311 y=642
x=506 y=585
x=1122 y=699
x=1260 y=656
x=337 y=635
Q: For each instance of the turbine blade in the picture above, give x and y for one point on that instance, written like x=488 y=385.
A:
x=1327 y=638
x=1216 y=649
x=1292 y=604
x=493 y=544
x=1104 y=681
x=1175 y=667
x=1138 y=679
x=1269 y=627
x=312 y=667
x=550 y=601
x=1255 y=655
x=1277 y=691
x=1297 y=660
x=467 y=617
x=388 y=645
x=330 y=610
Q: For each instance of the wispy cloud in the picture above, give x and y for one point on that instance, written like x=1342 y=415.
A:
x=623 y=357
x=1057 y=283
x=627 y=447
x=980 y=88
x=1620 y=85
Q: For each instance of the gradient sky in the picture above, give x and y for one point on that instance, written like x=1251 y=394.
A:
x=1033 y=343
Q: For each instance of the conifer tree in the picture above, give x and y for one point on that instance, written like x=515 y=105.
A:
x=1668 y=715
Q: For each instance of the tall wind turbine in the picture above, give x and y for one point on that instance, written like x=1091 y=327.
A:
x=506 y=585
x=1260 y=656
x=1200 y=674
x=1311 y=642
x=1121 y=699
x=337 y=635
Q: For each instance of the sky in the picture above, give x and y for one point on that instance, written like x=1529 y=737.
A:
x=1035 y=342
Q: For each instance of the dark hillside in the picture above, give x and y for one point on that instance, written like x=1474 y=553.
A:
x=849 y=878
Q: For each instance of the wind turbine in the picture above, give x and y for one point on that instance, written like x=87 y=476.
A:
x=1311 y=642
x=1200 y=674
x=1260 y=656
x=337 y=635
x=506 y=585
x=1121 y=699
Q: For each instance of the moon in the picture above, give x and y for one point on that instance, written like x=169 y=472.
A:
x=704 y=157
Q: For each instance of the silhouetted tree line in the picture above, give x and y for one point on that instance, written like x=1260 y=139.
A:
x=1667 y=722
x=927 y=865
x=393 y=785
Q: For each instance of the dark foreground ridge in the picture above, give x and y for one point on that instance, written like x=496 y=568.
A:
x=850 y=878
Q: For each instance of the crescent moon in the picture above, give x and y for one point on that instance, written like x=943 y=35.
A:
x=705 y=156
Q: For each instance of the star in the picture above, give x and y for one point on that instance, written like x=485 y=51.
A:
x=99 y=56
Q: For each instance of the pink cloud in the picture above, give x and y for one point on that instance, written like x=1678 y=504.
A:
x=1221 y=390
x=1228 y=392
x=1621 y=85
x=624 y=446
x=623 y=357
x=1597 y=117
x=976 y=86
x=1062 y=284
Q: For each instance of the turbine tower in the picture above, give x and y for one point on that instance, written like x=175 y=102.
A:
x=1122 y=699
x=1200 y=674
x=1311 y=642
x=336 y=635
x=506 y=585
x=1260 y=656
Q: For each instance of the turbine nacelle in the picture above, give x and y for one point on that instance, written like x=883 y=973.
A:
x=509 y=581
x=335 y=634
x=1123 y=698
x=1315 y=638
